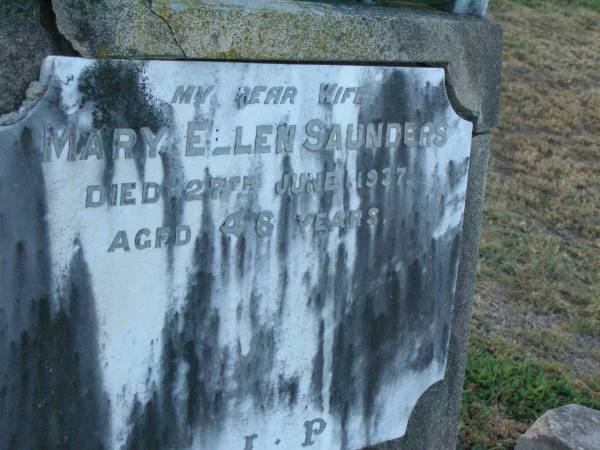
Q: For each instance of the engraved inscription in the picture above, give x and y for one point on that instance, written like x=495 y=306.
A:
x=242 y=255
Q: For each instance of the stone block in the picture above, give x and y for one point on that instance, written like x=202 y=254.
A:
x=468 y=47
x=570 y=427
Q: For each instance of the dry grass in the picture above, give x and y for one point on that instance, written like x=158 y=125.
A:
x=539 y=280
x=541 y=241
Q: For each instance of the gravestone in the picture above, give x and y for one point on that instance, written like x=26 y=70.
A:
x=253 y=255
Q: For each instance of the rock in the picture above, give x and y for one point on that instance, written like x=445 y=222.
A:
x=24 y=42
x=117 y=28
x=570 y=427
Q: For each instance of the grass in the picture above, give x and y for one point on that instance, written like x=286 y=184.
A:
x=536 y=327
x=592 y=4
x=506 y=389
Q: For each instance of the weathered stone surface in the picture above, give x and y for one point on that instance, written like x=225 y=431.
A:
x=433 y=424
x=299 y=31
x=260 y=310
x=23 y=45
x=123 y=28
x=571 y=427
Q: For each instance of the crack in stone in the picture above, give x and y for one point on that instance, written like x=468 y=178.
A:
x=49 y=23
x=166 y=22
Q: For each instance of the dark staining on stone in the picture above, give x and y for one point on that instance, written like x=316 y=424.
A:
x=216 y=377
x=146 y=431
x=346 y=193
x=401 y=278
x=285 y=215
x=318 y=364
x=173 y=193
x=240 y=254
x=50 y=378
x=20 y=278
x=319 y=292
x=79 y=356
x=197 y=341
x=120 y=95
x=27 y=178
x=342 y=396
x=193 y=395
x=396 y=292
x=255 y=299
x=225 y=262
x=306 y=278
x=252 y=370
x=54 y=384
x=442 y=207
x=340 y=280
x=288 y=390
x=382 y=336
x=23 y=239
x=285 y=222
x=284 y=278
x=424 y=355
x=199 y=338
x=457 y=171
x=166 y=403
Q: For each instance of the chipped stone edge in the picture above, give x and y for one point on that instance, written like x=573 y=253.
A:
x=35 y=91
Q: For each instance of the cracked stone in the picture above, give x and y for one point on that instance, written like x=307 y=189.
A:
x=115 y=28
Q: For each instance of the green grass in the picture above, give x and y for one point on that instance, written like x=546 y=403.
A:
x=523 y=387
x=505 y=390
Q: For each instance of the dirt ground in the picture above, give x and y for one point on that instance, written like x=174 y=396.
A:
x=539 y=276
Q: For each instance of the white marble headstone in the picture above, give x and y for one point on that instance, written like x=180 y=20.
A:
x=216 y=255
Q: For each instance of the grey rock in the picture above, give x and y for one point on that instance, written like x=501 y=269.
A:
x=571 y=427
x=469 y=47
x=123 y=28
x=23 y=44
